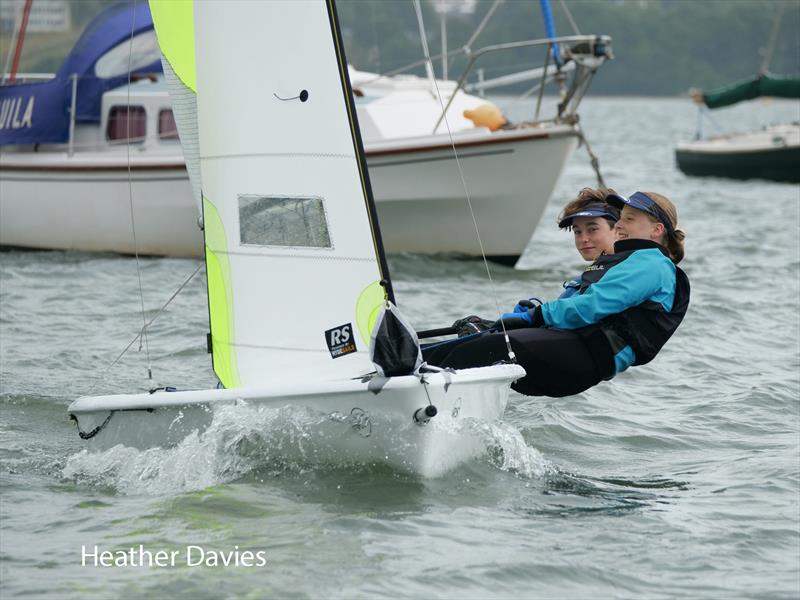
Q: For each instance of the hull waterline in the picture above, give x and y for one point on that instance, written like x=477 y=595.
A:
x=772 y=153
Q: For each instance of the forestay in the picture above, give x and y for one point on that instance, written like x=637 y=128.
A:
x=293 y=251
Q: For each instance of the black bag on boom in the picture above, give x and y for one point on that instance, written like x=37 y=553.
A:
x=394 y=346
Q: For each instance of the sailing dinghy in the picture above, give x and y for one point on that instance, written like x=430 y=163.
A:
x=298 y=285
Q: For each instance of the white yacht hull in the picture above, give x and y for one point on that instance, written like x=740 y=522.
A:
x=360 y=426
x=509 y=177
x=53 y=201
x=49 y=200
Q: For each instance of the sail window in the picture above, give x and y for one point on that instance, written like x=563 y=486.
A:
x=167 y=130
x=126 y=123
x=281 y=221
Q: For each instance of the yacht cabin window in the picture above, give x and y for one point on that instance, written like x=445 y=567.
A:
x=126 y=123
x=167 y=130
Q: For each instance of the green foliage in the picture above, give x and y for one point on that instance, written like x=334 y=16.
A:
x=661 y=47
x=44 y=52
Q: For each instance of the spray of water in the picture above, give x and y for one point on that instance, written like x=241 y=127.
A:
x=244 y=439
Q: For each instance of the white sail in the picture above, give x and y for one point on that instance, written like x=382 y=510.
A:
x=174 y=25
x=293 y=256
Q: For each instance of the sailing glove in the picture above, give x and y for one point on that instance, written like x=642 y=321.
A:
x=532 y=317
x=524 y=305
x=471 y=324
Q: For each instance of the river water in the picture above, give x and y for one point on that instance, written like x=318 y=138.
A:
x=677 y=479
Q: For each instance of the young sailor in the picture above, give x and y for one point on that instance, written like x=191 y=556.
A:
x=626 y=308
x=592 y=222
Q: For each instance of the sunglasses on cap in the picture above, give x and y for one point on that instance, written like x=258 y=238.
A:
x=596 y=209
x=643 y=202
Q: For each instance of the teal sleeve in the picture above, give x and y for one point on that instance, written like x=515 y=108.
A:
x=645 y=275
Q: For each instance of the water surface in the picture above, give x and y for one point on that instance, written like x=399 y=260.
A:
x=679 y=478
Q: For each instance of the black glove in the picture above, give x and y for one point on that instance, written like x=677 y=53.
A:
x=471 y=324
x=524 y=305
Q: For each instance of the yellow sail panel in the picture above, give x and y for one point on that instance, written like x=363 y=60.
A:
x=174 y=24
x=368 y=307
x=293 y=264
x=220 y=298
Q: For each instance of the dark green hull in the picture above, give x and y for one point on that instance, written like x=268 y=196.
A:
x=776 y=164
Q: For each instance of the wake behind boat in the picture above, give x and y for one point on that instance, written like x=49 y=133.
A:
x=298 y=286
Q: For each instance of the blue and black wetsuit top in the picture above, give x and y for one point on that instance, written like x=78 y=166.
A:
x=628 y=305
x=571 y=287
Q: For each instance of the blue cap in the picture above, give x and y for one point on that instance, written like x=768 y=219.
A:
x=595 y=209
x=645 y=203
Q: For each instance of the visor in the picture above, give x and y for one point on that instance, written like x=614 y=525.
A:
x=645 y=203
x=591 y=210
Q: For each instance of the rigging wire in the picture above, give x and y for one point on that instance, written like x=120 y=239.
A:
x=773 y=37
x=569 y=18
x=465 y=49
x=375 y=44
x=143 y=331
x=482 y=24
x=130 y=203
x=429 y=62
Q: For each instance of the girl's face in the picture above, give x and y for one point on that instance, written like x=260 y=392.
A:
x=593 y=236
x=635 y=224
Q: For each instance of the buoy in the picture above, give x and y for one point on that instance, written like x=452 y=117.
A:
x=486 y=115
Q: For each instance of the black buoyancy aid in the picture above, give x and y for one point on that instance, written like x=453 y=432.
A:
x=645 y=327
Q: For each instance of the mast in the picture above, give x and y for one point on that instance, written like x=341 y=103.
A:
x=358 y=144
x=26 y=11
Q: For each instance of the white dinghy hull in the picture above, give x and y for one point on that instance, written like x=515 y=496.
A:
x=368 y=428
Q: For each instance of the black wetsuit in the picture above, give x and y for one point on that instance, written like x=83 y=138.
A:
x=628 y=306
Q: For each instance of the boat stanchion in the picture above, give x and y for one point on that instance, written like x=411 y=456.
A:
x=425 y=414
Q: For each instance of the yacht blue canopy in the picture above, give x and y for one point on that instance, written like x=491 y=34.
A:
x=118 y=41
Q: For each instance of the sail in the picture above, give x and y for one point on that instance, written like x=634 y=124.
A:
x=293 y=251
x=174 y=25
x=762 y=85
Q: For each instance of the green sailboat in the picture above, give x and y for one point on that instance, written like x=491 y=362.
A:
x=770 y=153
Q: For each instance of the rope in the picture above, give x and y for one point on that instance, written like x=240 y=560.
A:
x=428 y=60
x=130 y=200
x=592 y=157
x=704 y=113
x=87 y=435
x=698 y=133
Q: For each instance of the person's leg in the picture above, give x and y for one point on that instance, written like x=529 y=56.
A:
x=557 y=362
x=477 y=350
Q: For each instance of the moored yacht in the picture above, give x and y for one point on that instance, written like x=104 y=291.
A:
x=101 y=168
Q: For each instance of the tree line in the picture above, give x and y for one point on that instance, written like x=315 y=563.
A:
x=661 y=47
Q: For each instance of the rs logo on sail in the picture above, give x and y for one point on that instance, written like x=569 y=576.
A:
x=10 y=109
x=340 y=340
